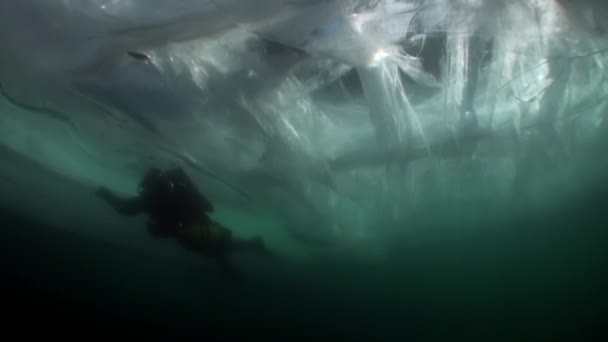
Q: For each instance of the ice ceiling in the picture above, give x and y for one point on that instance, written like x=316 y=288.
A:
x=339 y=117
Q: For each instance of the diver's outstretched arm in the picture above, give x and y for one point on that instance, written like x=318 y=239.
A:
x=125 y=206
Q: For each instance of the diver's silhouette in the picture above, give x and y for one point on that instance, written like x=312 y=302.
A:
x=176 y=208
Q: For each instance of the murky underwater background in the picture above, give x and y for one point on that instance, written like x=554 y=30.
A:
x=424 y=170
x=533 y=275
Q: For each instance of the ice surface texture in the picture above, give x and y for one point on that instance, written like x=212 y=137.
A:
x=344 y=118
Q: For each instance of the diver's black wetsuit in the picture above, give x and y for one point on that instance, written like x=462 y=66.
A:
x=169 y=198
x=176 y=208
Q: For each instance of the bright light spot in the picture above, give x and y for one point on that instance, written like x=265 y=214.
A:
x=378 y=56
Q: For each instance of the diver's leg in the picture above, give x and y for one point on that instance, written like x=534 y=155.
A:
x=231 y=243
x=227 y=268
x=255 y=244
x=125 y=206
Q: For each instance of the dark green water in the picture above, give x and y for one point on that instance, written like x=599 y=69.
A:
x=539 y=276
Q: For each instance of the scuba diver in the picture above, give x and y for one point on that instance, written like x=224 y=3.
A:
x=176 y=208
